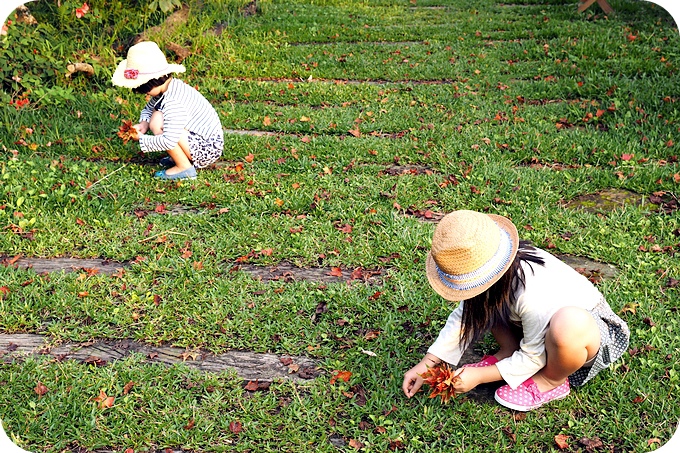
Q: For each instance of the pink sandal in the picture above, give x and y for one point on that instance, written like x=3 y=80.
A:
x=487 y=360
x=527 y=396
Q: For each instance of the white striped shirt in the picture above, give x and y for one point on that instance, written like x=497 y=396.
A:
x=183 y=107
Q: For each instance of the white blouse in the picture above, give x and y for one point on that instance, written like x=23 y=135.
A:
x=547 y=289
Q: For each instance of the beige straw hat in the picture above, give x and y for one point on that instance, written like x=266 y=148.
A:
x=470 y=252
x=145 y=61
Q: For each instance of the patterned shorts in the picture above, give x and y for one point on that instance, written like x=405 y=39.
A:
x=614 y=338
x=205 y=151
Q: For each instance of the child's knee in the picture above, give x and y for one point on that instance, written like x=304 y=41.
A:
x=156 y=123
x=573 y=325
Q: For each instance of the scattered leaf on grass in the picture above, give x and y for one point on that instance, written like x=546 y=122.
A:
x=190 y=424
x=335 y=272
x=40 y=389
x=561 y=441
x=355 y=444
x=103 y=400
x=341 y=375
x=235 y=427
x=128 y=387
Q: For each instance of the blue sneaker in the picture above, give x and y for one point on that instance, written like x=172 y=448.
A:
x=189 y=173
x=167 y=162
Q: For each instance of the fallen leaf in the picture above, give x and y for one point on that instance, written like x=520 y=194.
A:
x=341 y=375
x=249 y=158
x=128 y=387
x=355 y=444
x=371 y=335
x=190 y=424
x=127 y=132
x=251 y=386
x=267 y=121
x=369 y=353
x=235 y=427
x=561 y=441
x=355 y=132
x=335 y=272
x=40 y=389
x=103 y=400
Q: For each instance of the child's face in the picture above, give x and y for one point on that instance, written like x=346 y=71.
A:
x=155 y=91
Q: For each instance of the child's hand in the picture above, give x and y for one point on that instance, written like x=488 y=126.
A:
x=142 y=128
x=413 y=379
x=468 y=378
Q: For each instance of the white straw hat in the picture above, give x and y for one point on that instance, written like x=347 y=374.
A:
x=470 y=252
x=145 y=61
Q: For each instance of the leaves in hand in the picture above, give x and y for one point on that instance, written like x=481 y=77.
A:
x=441 y=380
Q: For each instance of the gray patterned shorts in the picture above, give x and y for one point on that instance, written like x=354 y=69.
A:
x=614 y=338
x=205 y=151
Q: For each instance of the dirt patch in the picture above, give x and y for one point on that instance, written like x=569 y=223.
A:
x=248 y=365
x=608 y=200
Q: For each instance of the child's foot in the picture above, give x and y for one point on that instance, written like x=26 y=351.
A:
x=487 y=360
x=167 y=162
x=189 y=173
x=527 y=396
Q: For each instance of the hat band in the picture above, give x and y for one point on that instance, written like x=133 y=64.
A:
x=134 y=73
x=484 y=274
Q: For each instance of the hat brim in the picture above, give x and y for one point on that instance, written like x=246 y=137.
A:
x=119 y=79
x=459 y=295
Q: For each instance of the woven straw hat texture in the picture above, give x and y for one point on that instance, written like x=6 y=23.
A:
x=474 y=249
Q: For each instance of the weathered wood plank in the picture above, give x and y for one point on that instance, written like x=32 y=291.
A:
x=40 y=265
x=248 y=365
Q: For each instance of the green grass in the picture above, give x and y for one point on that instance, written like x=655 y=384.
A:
x=471 y=90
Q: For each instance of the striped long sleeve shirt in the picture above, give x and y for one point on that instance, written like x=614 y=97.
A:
x=183 y=107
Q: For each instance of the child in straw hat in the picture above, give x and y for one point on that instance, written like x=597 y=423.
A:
x=182 y=121
x=553 y=327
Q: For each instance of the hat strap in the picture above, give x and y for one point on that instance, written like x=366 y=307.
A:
x=485 y=273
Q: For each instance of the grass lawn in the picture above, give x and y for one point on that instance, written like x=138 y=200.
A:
x=345 y=119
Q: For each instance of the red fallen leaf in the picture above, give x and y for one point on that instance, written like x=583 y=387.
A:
x=355 y=444
x=187 y=254
x=653 y=440
x=346 y=228
x=649 y=321
x=103 y=400
x=40 y=389
x=285 y=361
x=375 y=296
x=396 y=445
x=235 y=427
x=627 y=156
x=128 y=387
x=341 y=375
x=80 y=222
x=441 y=381
x=357 y=274
x=267 y=252
x=561 y=441
x=355 y=132
x=83 y=294
x=249 y=158
x=295 y=230
x=251 y=386
x=129 y=450
x=600 y=112
x=160 y=209
x=305 y=139
x=190 y=424
x=631 y=37
x=3 y=291
x=266 y=121
x=676 y=178
x=335 y=272
x=371 y=335
x=127 y=132
x=638 y=399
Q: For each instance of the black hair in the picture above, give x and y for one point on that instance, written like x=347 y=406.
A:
x=151 y=84
x=492 y=307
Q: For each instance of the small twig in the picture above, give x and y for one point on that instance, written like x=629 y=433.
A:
x=100 y=180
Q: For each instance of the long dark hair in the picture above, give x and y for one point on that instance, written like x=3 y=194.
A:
x=151 y=84
x=492 y=307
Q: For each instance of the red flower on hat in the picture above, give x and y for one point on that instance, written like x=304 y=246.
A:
x=131 y=73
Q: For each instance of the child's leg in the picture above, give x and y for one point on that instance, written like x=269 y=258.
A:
x=508 y=340
x=180 y=154
x=572 y=339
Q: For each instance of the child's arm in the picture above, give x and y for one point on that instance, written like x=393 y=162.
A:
x=413 y=378
x=142 y=127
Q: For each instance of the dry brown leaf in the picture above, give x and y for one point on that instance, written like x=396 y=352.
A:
x=441 y=380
